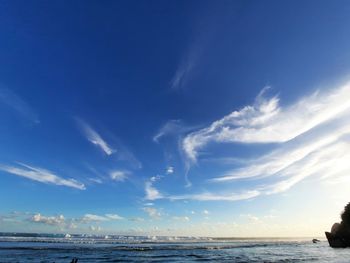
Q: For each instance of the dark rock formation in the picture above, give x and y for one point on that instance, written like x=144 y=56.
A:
x=340 y=233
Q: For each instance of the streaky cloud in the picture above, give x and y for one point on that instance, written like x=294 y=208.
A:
x=267 y=122
x=216 y=197
x=312 y=136
x=327 y=159
x=323 y=154
x=152 y=193
x=189 y=61
x=172 y=128
x=95 y=138
x=327 y=162
x=88 y=218
x=41 y=175
x=279 y=160
x=183 y=72
x=114 y=217
x=15 y=102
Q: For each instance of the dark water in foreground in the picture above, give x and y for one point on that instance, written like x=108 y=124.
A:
x=55 y=248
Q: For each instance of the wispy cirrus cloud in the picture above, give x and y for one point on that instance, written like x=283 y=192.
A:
x=184 y=70
x=322 y=150
x=119 y=175
x=190 y=60
x=152 y=193
x=114 y=147
x=114 y=217
x=283 y=159
x=327 y=158
x=208 y=196
x=15 y=102
x=88 y=218
x=95 y=138
x=41 y=175
x=312 y=136
x=172 y=128
x=267 y=122
x=96 y=180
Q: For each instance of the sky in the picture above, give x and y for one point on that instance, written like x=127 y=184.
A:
x=191 y=118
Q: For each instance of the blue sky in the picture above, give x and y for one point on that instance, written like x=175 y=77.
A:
x=200 y=118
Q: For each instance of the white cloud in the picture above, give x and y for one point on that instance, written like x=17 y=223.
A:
x=326 y=162
x=182 y=73
x=156 y=178
x=266 y=122
x=114 y=217
x=152 y=212
x=56 y=221
x=205 y=212
x=170 y=170
x=282 y=159
x=171 y=128
x=48 y=220
x=41 y=175
x=93 y=218
x=313 y=137
x=96 y=180
x=93 y=137
x=151 y=192
x=15 y=102
x=63 y=223
x=99 y=218
x=119 y=176
x=323 y=153
x=329 y=162
x=215 y=196
x=326 y=155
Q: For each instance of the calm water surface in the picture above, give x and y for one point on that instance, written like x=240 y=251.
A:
x=55 y=248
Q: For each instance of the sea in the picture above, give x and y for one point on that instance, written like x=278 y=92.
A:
x=19 y=247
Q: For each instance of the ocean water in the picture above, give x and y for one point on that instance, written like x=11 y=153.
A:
x=61 y=248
